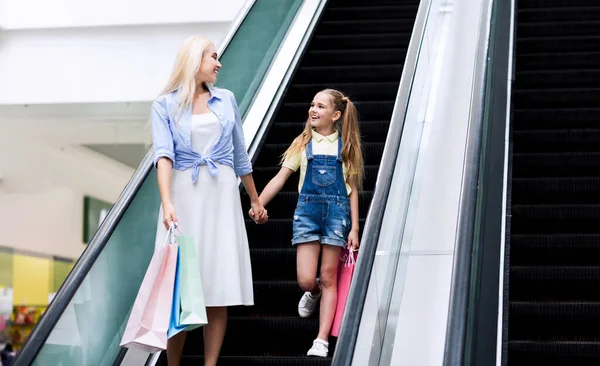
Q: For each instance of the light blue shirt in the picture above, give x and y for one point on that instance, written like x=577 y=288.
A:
x=174 y=141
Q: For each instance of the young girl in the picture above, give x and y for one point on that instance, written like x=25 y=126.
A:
x=326 y=216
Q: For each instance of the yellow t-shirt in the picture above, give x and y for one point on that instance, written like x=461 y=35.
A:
x=322 y=145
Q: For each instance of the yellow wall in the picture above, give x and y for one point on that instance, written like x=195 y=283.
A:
x=31 y=280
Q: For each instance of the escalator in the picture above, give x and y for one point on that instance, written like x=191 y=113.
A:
x=358 y=48
x=554 y=280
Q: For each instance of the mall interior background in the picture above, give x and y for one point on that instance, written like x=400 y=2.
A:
x=76 y=82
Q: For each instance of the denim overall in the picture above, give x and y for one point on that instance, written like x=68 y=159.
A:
x=323 y=210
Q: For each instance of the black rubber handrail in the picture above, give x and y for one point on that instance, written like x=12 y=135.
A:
x=352 y=318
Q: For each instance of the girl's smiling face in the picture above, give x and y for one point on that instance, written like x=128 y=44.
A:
x=322 y=115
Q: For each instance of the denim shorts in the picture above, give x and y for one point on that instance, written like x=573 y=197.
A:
x=322 y=218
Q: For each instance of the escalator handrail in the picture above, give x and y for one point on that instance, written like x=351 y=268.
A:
x=347 y=339
x=455 y=344
x=82 y=267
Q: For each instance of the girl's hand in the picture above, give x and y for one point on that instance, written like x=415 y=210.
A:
x=169 y=216
x=353 y=240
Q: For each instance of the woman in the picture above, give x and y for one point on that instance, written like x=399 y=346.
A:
x=199 y=151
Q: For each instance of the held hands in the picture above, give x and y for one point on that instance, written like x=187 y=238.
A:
x=353 y=240
x=169 y=216
x=258 y=213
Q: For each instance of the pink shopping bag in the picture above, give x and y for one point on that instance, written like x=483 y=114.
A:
x=345 y=272
x=148 y=323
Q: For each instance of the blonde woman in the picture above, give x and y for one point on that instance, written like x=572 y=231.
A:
x=199 y=151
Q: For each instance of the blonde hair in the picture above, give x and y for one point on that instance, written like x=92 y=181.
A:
x=349 y=131
x=183 y=75
x=187 y=64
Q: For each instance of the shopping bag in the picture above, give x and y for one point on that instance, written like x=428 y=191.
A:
x=193 y=307
x=148 y=323
x=345 y=272
x=194 y=298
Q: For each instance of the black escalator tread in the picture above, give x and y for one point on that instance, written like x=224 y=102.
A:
x=371 y=110
x=557 y=98
x=549 y=219
x=284 y=132
x=527 y=165
x=528 y=4
x=358 y=73
x=264 y=175
x=365 y=26
x=553 y=353
x=553 y=61
x=557 y=249
x=558 y=44
x=591 y=12
x=271 y=154
x=554 y=29
x=556 y=117
x=554 y=319
x=372 y=12
x=365 y=91
x=554 y=283
x=260 y=361
x=273 y=263
x=286 y=203
x=563 y=140
x=574 y=190
x=241 y=338
x=383 y=56
x=286 y=294
x=361 y=41
x=579 y=78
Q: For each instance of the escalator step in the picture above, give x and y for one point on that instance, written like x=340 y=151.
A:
x=270 y=154
x=525 y=4
x=556 y=190
x=285 y=204
x=260 y=361
x=340 y=74
x=384 y=56
x=274 y=263
x=276 y=233
x=262 y=176
x=286 y=132
x=365 y=91
x=392 y=11
x=559 y=29
x=553 y=353
x=548 y=219
x=579 y=78
x=589 y=12
x=553 y=320
x=362 y=26
x=241 y=339
x=558 y=44
x=558 y=61
x=376 y=111
x=272 y=298
x=557 y=98
x=560 y=249
x=556 y=164
x=361 y=41
x=553 y=283
x=563 y=140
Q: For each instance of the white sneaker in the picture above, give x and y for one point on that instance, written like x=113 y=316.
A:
x=320 y=348
x=308 y=304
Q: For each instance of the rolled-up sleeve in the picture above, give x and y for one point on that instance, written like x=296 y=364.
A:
x=162 y=138
x=241 y=161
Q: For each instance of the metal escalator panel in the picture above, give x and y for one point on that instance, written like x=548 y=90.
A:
x=85 y=322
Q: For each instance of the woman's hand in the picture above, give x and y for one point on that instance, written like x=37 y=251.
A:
x=258 y=213
x=353 y=240
x=169 y=216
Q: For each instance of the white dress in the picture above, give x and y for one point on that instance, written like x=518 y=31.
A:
x=211 y=212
